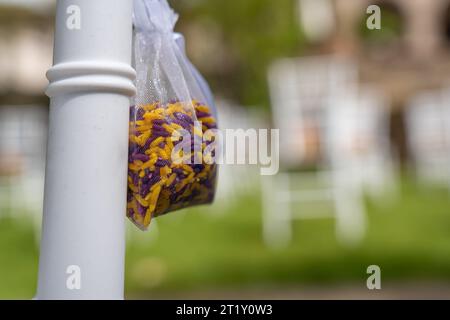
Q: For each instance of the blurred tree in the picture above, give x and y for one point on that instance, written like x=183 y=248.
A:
x=253 y=33
x=392 y=26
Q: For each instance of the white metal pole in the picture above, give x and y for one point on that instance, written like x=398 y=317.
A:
x=83 y=240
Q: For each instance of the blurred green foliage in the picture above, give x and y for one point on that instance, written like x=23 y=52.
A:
x=255 y=32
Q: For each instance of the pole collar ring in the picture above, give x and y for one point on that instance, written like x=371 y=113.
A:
x=91 y=76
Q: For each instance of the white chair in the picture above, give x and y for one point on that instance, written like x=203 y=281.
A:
x=428 y=136
x=358 y=154
x=357 y=139
x=299 y=90
x=353 y=150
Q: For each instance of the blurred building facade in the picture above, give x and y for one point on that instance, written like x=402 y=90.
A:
x=26 y=40
x=410 y=53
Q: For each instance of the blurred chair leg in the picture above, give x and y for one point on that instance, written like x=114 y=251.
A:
x=350 y=216
x=276 y=210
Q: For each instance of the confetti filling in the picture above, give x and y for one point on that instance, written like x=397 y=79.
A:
x=156 y=184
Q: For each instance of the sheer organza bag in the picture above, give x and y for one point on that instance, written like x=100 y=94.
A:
x=169 y=165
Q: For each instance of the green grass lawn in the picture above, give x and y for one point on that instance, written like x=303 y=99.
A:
x=18 y=259
x=201 y=249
